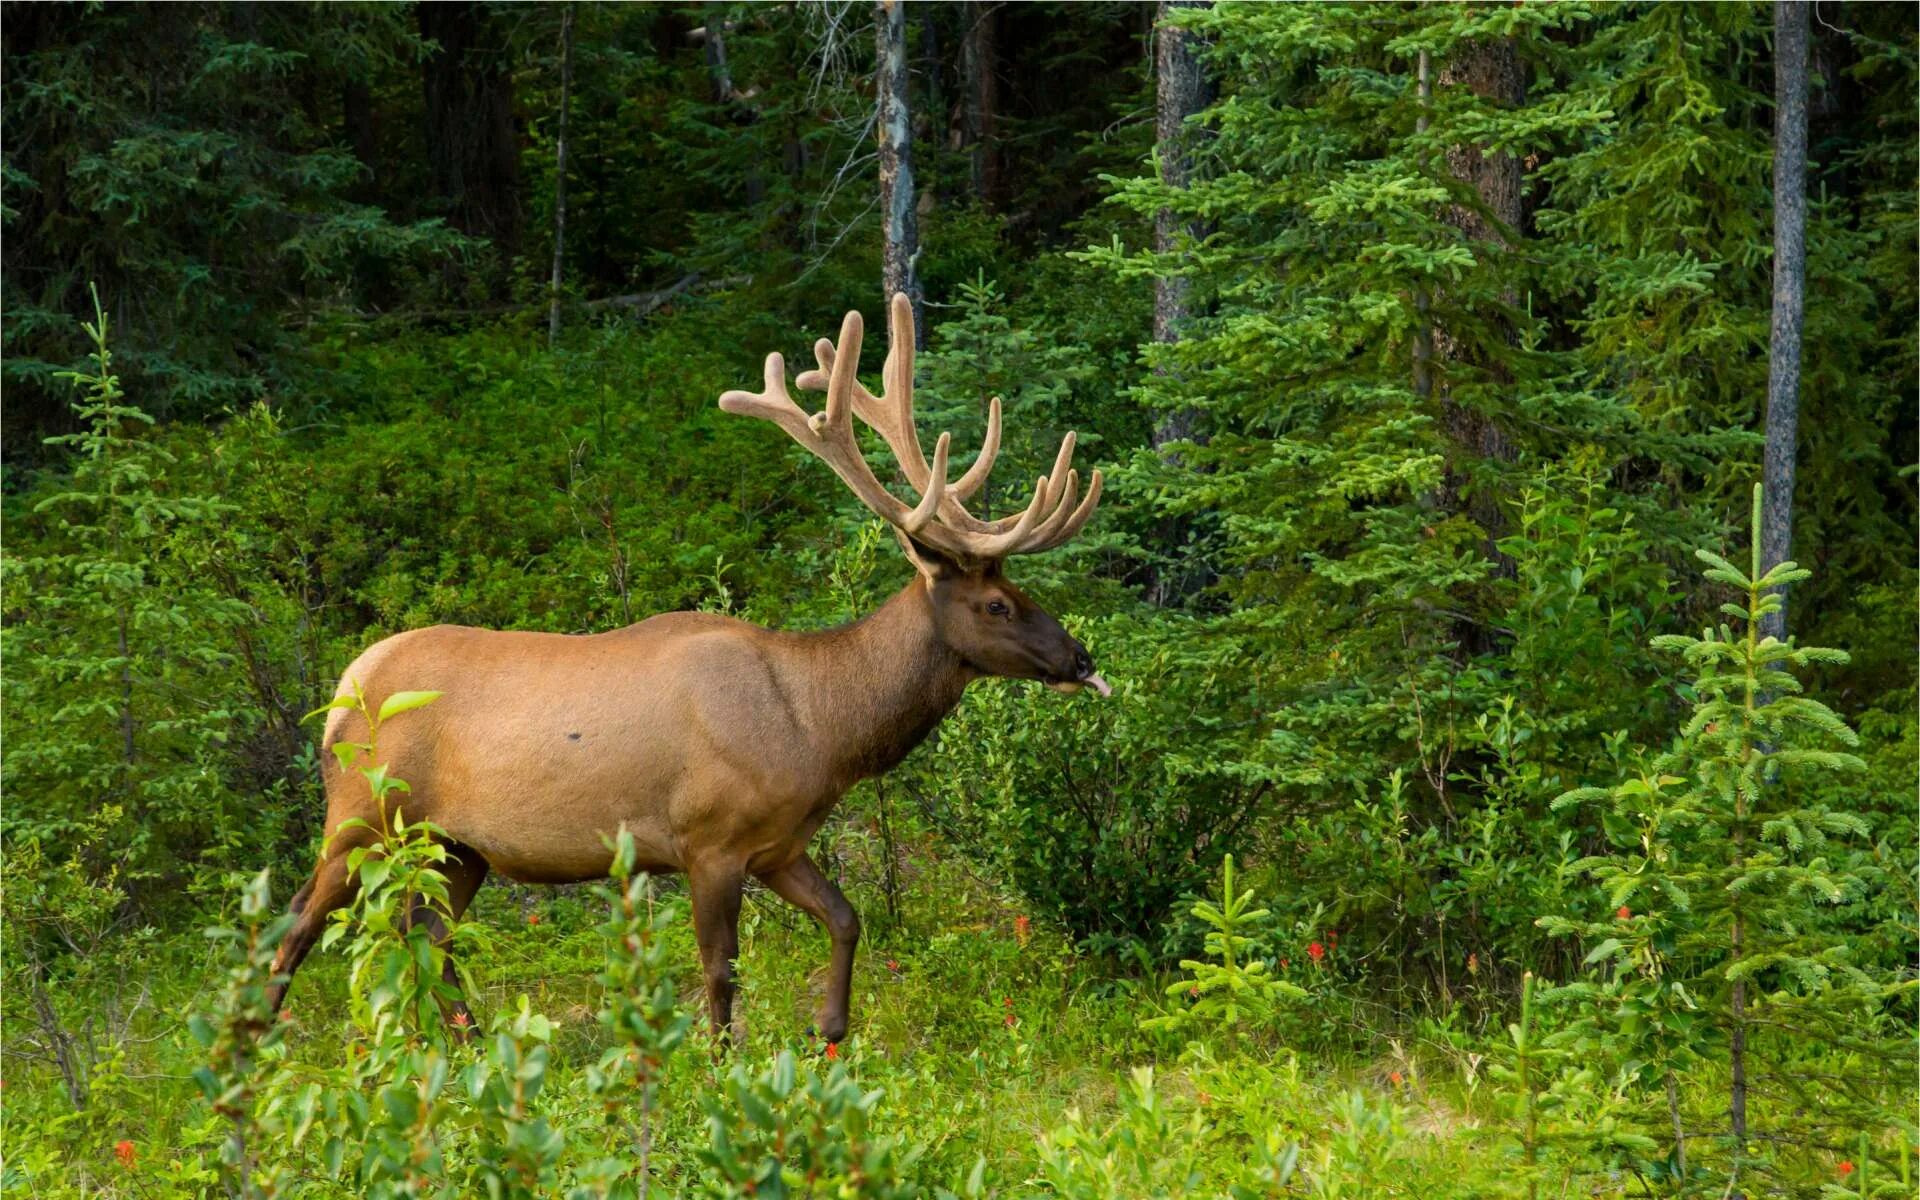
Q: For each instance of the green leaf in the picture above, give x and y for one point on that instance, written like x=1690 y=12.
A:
x=329 y=706
x=401 y=702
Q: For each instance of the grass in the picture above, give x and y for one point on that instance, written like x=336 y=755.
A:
x=1003 y=1055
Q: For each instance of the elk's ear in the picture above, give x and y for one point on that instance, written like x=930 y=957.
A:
x=934 y=564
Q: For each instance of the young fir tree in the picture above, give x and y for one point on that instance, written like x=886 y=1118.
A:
x=110 y=642
x=1724 y=947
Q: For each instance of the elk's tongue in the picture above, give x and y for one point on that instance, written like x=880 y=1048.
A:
x=1070 y=686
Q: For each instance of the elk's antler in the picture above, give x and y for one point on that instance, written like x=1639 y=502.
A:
x=940 y=519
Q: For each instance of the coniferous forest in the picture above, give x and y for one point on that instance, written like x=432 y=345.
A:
x=1504 y=568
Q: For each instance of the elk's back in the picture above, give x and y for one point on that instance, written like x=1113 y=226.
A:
x=542 y=743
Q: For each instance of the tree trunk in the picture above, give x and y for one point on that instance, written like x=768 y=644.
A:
x=900 y=244
x=1789 y=292
x=1181 y=90
x=560 y=175
x=1491 y=70
x=977 y=53
x=363 y=134
x=1422 y=299
x=471 y=147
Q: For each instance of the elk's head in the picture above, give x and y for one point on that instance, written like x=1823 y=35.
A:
x=977 y=611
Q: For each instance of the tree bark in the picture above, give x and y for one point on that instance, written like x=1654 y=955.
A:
x=471 y=146
x=1789 y=292
x=363 y=134
x=1181 y=90
x=1422 y=299
x=977 y=63
x=1490 y=69
x=900 y=243
x=560 y=175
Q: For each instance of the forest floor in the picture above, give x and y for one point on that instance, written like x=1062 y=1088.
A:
x=994 y=1044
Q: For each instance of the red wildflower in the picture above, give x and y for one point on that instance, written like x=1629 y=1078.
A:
x=1846 y=1168
x=1023 y=928
x=1012 y=1020
x=833 y=1050
x=462 y=1020
x=893 y=964
x=123 y=1150
x=1006 y=1002
x=1316 y=952
x=1394 y=1078
x=1194 y=992
x=533 y=918
x=1473 y=964
x=1623 y=912
x=1283 y=964
x=1204 y=1097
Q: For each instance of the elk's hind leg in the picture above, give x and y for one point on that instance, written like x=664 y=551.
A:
x=465 y=870
x=801 y=884
x=329 y=888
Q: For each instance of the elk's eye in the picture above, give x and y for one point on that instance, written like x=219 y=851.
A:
x=997 y=607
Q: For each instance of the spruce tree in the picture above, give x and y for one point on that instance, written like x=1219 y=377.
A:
x=1722 y=945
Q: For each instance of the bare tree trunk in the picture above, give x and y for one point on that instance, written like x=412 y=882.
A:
x=977 y=63
x=1789 y=294
x=715 y=42
x=900 y=244
x=560 y=174
x=1181 y=91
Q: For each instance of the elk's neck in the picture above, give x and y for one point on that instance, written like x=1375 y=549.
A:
x=883 y=683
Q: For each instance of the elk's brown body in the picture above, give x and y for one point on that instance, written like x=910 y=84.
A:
x=719 y=745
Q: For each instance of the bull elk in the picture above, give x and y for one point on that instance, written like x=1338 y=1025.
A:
x=719 y=745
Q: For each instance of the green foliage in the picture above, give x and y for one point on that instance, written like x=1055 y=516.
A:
x=1239 y=989
x=240 y=1028
x=1105 y=813
x=1729 y=874
x=642 y=1009
x=113 y=639
x=1469 y=371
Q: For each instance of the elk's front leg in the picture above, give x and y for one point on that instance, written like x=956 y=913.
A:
x=716 y=926
x=801 y=884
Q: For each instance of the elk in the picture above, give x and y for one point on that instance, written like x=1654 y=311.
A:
x=719 y=745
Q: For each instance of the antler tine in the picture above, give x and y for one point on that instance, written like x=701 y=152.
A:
x=771 y=404
x=936 y=487
x=896 y=381
x=840 y=382
x=976 y=475
x=1001 y=545
x=1061 y=462
x=1066 y=532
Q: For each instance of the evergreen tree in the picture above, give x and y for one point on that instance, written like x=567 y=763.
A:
x=1727 y=886
x=114 y=647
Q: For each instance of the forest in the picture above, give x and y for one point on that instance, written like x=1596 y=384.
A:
x=1504 y=568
